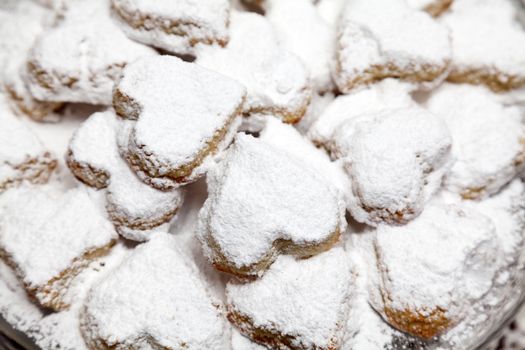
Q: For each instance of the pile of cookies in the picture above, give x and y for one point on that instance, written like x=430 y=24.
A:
x=281 y=174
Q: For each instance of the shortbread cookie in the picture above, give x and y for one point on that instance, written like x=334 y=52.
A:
x=276 y=80
x=297 y=304
x=23 y=157
x=488 y=44
x=261 y=204
x=79 y=59
x=488 y=139
x=182 y=116
x=153 y=300
x=94 y=159
x=19 y=28
x=433 y=7
x=302 y=31
x=367 y=51
x=432 y=269
x=49 y=236
x=388 y=94
x=396 y=160
x=174 y=26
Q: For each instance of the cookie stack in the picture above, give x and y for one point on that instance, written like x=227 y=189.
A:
x=281 y=174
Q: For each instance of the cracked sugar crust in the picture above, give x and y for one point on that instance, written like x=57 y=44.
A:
x=419 y=292
x=297 y=304
x=367 y=51
x=19 y=28
x=488 y=139
x=245 y=223
x=49 y=236
x=94 y=159
x=488 y=44
x=396 y=160
x=277 y=82
x=434 y=8
x=181 y=116
x=302 y=31
x=175 y=26
x=388 y=94
x=79 y=59
x=23 y=157
x=153 y=300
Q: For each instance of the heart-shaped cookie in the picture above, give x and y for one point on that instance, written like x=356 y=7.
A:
x=488 y=44
x=132 y=205
x=396 y=160
x=153 y=300
x=49 y=236
x=79 y=59
x=488 y=139
x=175 y=26
x=276 y=80
x=367 y=51
x=419 y=292
x=182 y=115
x=297 y=304
x=23 y=157
x=263 y=202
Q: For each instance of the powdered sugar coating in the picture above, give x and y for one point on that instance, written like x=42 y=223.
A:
x=240 y=342
x=154 y=299
x=396 y=160
x=488 y=44
x=175 y=26
x=488 y=139
x=95 y=160
x=368 y=50
x=414 y=277
x=387 y=94
x=286 y=138
x=19 y=28
x=276 y=80
x=80 y=58
x=182 y=115
x=301 y=304
x=23 y=157
x=44 y=232
x=260 y=205
x=302 y=31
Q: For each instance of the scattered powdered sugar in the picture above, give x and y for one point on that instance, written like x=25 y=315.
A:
x=175 y=26
x=487 y=37
x=488 y=138
x=330 y=11
x=178 y=107
x=276 y=80
x=245 y=213
x=301 y=30
x=388 y=94
x=304 y=300
x=415 y=276
x=130 y=202
x=153 y=299
x=396 y=160
x=80 y=58
x=380 y=39
x=44 y=230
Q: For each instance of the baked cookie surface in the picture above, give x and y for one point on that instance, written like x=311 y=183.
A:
x=244 y=224
x=181 y=115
